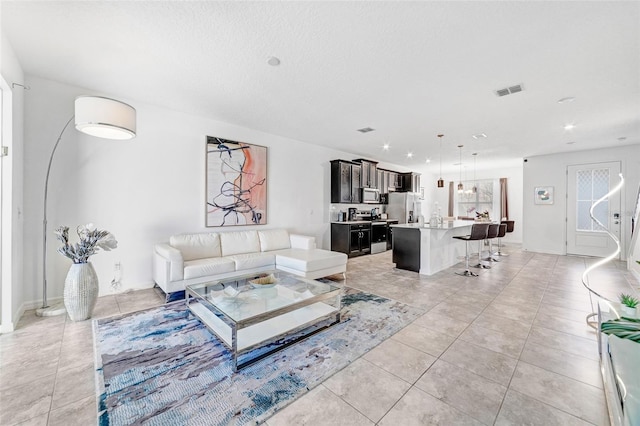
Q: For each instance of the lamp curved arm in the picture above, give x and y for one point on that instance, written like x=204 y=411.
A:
x=613 y=237
x=44 y=220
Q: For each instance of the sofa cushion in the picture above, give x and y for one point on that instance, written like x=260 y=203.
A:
x=197 y=246
x=204 y=267
x=309 y=260
x=252 y=260
x=274 y=239
x=239 y=242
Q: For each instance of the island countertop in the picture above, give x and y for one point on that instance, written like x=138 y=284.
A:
x=426 y=249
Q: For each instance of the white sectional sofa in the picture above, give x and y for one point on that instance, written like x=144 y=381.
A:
x=194 y=258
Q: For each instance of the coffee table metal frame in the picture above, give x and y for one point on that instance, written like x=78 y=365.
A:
x=322 y=315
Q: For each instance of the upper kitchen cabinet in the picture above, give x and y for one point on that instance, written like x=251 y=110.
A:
x=369 y=178
x=345 y=181
x=388 y=181
x=410 y=182
x=383 y=185
x=394 y=181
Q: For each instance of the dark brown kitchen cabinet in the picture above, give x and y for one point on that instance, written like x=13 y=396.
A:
x=345 y=182
x=388 y=182
x=356 y=177
x=390 y=233
x=395 y=181
x=354 y=239
x=382 y=181
x=406 y=248
x=369 y=176
x=410 y=182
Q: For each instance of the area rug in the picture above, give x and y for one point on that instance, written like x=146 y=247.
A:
x=161 y=366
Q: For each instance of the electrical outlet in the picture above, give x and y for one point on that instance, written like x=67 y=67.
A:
x=117 y=278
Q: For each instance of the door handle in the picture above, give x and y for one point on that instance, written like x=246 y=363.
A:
x=617 y=222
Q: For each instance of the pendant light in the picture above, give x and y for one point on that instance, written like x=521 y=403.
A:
x=475 y=182
x=460 y=185
x=440 y=181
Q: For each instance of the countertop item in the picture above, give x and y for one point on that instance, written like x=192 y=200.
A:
x=445 y=225
x=356 y=222
x=353 y=222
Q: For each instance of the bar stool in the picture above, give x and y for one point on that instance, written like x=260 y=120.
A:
x=501 y=233
x=492 y=233
x=510 y=225
x=478 y=233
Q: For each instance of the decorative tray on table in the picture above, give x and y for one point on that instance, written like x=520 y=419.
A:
x=267 y=281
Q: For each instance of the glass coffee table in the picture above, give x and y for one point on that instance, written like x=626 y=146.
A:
x=254 y=320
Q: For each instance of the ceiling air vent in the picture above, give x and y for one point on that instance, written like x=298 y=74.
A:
x=509 y=90
x=366 y=130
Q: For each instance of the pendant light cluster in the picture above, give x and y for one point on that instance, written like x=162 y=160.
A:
x=440 y=181
x=474 y=189
x=460 y=185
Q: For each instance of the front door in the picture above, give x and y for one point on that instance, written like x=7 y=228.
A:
x=586 y=183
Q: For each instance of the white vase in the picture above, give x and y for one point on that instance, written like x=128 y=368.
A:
x=81 y=291
x=629 y=312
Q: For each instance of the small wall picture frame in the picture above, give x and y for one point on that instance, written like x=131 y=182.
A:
x=543 y=195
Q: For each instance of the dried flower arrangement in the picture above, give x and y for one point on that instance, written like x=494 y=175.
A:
x=91 y=240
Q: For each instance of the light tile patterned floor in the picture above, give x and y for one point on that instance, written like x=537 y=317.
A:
x=507 y=348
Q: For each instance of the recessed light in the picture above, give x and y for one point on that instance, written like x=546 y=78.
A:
x=365 y=130
x=479 y=136
x=409 y=154
x=566 y=100
x=569 y=126
x=428 y=160
x=273 y=61
x=385 y=147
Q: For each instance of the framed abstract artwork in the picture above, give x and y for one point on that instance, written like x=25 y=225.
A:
x=543 y=195
x=236 y=183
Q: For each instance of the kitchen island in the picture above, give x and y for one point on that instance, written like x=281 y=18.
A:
x=429 y=249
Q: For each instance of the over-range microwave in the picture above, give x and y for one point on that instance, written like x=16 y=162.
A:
x=370 y=195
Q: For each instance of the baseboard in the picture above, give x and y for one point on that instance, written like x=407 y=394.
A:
x=35 y=304
x=130 y=287
x=7 y=328
x=11 y=327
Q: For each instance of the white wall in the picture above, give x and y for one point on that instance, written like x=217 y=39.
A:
x=545 y=225
x=12 y=189
x=514 y=195
x=149 y=188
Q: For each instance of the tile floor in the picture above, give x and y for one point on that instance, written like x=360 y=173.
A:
x=507 y=348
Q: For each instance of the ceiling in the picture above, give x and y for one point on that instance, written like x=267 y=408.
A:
x=410 y=70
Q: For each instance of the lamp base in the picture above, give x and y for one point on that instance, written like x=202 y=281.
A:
x=52 y=311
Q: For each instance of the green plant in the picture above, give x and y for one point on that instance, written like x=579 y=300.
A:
x=628 y=300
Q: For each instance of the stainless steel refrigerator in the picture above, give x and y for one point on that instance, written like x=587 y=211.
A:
x=404 y=206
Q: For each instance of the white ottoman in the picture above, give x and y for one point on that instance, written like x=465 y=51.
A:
x=312 y=264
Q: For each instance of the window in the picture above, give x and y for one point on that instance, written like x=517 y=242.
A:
x=591 y=185
x=485 y=198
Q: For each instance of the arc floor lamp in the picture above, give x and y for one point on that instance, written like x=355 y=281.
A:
x=96 y=116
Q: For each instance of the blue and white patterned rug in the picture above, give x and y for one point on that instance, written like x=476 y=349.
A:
x=162 y=367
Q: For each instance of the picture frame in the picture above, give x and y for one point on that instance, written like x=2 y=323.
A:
x=543 y=195
x=236 y=183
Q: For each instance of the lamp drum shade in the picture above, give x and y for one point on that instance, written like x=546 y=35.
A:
x=105 y=118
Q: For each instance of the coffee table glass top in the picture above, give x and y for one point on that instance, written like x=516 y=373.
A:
x=241 y=300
